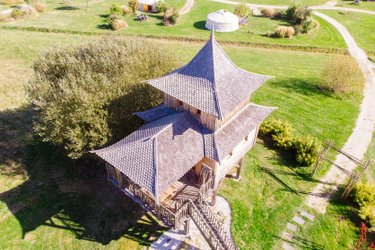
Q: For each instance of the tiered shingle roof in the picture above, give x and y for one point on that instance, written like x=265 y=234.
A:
x=163 y=150
x=211 y=82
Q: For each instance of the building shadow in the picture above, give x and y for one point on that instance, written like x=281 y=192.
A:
x=201 y=25
x=55 y=196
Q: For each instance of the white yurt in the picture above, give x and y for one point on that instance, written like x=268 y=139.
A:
x=222 y=21
x=147 y=5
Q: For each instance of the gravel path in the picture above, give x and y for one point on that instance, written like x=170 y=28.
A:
x=327 y=6
x=187 y=7
x=360 y=139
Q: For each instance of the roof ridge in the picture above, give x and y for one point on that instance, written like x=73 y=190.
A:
x=213 y=42
x=155 y=157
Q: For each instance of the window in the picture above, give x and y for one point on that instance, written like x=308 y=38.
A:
x=246 y=138
x=231 y=153
x=199 y=112
x=180 y=103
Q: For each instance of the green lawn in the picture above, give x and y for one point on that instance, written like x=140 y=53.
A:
x=284 y=2
x=52 y=215
x=191 y=25
x=360 y=27
x=350 y=4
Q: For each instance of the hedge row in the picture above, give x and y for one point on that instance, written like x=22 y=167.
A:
x=188 y=39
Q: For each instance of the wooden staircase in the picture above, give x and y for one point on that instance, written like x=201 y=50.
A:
x=210 y=226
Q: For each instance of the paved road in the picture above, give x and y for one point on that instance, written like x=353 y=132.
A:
x=326 y=6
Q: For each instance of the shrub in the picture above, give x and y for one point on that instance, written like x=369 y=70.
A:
x=284 y=31
x=342 y=76
x=268 y=12
x=17 y=14
x=118 y=24
x=279 y=131
x=40 y=7
x=115 y=9
x=84 y=96
x=298 y=29
x=298 y=14
x=367 y=213
x=307 y=25
x=364 y=195
x=242 y=10
x=133 y=5
x=307 y=149
x=161 y=6
x=11 y=2
x=125 y=10
x=170 y=16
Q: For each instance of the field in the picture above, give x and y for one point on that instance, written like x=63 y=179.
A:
x=362 y=5
x=358 y=25
x=39 y=197
x=284 y=2
x=75 y=18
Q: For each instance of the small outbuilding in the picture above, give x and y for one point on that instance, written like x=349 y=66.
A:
x=222 y=21
x=147 y=5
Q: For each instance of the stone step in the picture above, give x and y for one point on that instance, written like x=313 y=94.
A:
x=286 y=236
x=298 y=220
x=286 y=246
x=307 y=215
x=291 y=227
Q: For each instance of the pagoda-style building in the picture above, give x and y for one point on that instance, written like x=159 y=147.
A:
x=173 y=165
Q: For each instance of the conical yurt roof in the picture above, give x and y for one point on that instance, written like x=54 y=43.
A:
x=222 y=21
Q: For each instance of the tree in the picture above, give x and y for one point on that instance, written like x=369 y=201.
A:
x=242 y=10
x=84 y=96
x=161 y=6
x=133 y=5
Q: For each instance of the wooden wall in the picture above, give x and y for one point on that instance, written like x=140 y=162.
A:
x=206 y=119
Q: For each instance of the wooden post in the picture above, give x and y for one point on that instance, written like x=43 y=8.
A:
x=239 y=169
x=321 y=157
x=187 y=227
x=213 y=200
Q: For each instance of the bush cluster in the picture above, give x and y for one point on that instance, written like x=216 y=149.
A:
x=38 y=5
x=170 y=16
x=268 y=12
x=364 y=195
x=242 y=10
x=342 y=76
x=17 y=14
x=115 y=10
x=161 y=6
x=304 y=149
x=284 y=32
x=133 y=5
x=301 y=18
x=84 y=96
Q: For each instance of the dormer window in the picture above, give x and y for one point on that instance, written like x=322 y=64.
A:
x=246 y=138
x=199 y=112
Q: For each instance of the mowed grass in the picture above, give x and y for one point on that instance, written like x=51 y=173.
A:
x=284 y=2
x=359 y=25
x=366 y=5
x=192 y=25
x=270 y=191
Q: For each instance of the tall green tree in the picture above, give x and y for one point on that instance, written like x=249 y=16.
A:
x=84 y=96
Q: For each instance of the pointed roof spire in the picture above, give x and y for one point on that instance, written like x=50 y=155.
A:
x=210 y=82
x=212 y=36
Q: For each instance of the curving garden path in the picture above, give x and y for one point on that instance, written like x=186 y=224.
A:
x=361 y=136
x=187 y=7
x=330 y=5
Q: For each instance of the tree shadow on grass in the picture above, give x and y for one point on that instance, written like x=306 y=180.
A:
x=302 y=243
x=55 y=196
x=67 y=8
x=307 y=87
